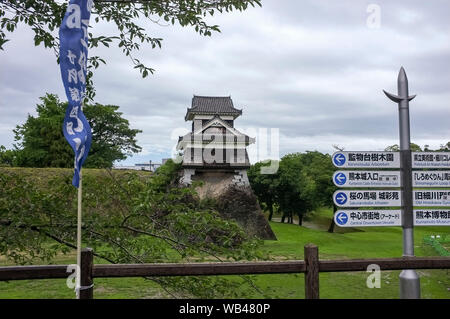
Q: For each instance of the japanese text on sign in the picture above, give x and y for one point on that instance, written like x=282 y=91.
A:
x=431 y=159
x=357 y=218
x=367 y=198
x=429 y=217
x=366 y=159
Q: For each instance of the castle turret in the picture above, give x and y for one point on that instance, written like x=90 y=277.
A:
x=215 y=152
x=214 y=143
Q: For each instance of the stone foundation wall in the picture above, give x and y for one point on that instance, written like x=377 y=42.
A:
x=234 y=196
x=239 y=177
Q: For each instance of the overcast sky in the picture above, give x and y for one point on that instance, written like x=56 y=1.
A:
x=313 y=69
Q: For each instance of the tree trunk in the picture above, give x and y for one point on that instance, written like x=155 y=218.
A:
x=283 y=218
x=331 y=228
x=300 y=219
x=270 y=211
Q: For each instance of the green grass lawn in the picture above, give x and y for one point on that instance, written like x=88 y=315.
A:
x=370 y=242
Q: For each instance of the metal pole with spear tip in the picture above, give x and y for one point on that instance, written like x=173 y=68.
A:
x=409 y=280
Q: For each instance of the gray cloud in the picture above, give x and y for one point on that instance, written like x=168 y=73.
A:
x=312 y=68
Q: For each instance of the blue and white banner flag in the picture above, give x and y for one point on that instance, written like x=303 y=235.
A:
x=73 y=52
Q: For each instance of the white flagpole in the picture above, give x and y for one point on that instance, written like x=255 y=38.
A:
x=78 y=284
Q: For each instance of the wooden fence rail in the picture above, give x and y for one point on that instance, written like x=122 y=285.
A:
x=311 y=267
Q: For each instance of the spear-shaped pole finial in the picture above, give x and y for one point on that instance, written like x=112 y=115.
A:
x=402 y=87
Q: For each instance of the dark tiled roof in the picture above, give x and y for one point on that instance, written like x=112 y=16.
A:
x=212 y=105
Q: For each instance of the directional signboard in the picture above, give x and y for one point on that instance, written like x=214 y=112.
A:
x=362 y=159
x=390 y=178
x=366 y=159
x=430 y=159
x=435 y=197
x=372 y=198
x=432 y=217
x=364 y=218
x=374 y=175
x=367 y=198
x=431 y=178
x=367 y=178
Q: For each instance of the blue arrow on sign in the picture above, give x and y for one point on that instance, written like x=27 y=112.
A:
x=341 y=198
x=339 y=159
x=340 y=179
x=341 y=218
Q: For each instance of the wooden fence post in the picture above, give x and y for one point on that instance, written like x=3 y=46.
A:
x=312 y=271
x=87 y=282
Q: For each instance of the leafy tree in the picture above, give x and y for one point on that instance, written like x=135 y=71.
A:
x=417 y=148
x=395 y=148
x=320 y=168
x=264 y=186
x=44 y=18
x=302 y=183
x=112 y=137
x=128 y=218
x=295 y=189
x=6 y=156
x=444 y=147
x=41 y=143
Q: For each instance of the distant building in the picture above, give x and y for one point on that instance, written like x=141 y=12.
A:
x=141 y=166
x=214 y=144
